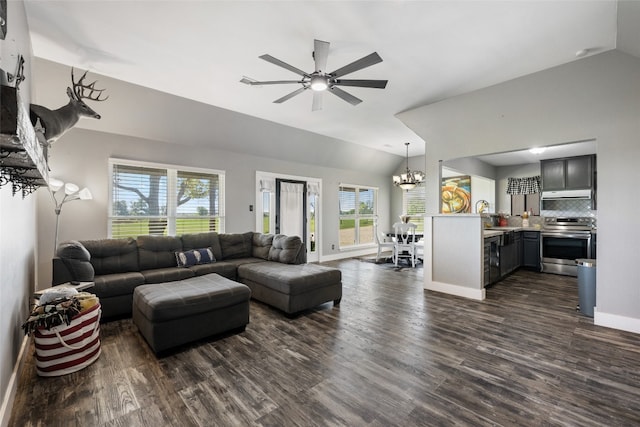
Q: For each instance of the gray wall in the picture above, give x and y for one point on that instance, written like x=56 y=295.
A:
x=17 y=227
x=81 y=157
x=597 y=97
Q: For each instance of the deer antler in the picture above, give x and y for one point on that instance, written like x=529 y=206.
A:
x=80 y=88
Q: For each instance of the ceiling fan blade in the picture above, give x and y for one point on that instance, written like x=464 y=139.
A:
x=317 y=101
x=345 y=95
x=249 y=81
x=289 y=96
x=361 y=63
x=282 y=64
x=376 y=84
x=320 y=54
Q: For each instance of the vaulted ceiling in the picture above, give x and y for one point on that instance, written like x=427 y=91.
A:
x=431 y=50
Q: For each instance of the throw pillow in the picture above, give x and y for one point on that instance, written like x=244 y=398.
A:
x=195 y=256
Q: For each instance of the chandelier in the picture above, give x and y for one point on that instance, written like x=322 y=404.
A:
x=410 y=179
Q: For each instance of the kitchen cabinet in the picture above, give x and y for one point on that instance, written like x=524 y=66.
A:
x=518 y=243
x=571 y=173
x=508 y=253
x=531 y=250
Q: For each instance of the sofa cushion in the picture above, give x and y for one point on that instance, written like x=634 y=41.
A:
x=203 y=240
x=236 y=245
x=223 y=268
x=158 y=251
x=285 y=249
x=195 y=256
x=261 y=245
x=168 y=274
x=113 y=285
x=110 y=256
x=290 y=279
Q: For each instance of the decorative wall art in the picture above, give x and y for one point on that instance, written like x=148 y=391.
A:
x=456 y=194
x=57 y=122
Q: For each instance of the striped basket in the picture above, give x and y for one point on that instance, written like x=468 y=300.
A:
x=65 y=349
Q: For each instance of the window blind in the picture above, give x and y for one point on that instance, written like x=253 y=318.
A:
x=162 y=200
x=413 y=205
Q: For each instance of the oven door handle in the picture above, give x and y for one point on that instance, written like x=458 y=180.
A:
x=566 y=235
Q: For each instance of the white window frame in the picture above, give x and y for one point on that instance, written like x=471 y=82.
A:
x=357 y=216
x=172 y=176
x=417 y=193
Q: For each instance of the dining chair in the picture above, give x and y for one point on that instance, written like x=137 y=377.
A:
x=419 y=250
x=405 y=245
x=383 y=245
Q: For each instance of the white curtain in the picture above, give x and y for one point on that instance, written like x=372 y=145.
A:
x=291 y=209
x=313 y=188
x=267 y=185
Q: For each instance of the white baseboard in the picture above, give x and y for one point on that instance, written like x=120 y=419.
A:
x=629 y=324
x=10 y=392
x=349 y=254
x=460 y=291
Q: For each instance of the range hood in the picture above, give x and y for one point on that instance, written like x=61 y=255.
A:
x=567 y=195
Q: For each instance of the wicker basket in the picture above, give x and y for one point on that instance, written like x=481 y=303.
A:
x=65 y=349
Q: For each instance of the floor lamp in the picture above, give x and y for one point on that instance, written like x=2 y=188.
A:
x=71 y=192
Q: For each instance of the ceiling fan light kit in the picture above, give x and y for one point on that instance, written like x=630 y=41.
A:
x=319 y=81
x=410 y=179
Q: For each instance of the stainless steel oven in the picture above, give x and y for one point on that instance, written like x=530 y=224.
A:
x=562 y=241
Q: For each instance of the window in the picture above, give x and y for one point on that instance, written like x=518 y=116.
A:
x=148 y=198
x=357 y=214
x=413 y=205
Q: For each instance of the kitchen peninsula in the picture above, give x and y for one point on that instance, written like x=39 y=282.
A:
x=458 y=251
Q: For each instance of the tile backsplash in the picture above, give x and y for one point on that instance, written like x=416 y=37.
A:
x=568 y=208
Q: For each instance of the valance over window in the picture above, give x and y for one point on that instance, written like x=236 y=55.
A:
x=528 y=185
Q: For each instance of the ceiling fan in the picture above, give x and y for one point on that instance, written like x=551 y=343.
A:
x=319 y=80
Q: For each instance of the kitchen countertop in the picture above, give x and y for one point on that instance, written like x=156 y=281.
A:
x=497 y=231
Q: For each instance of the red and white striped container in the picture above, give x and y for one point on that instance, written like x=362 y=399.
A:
x=65 y=349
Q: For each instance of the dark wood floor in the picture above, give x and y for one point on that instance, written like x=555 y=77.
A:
x=391 y=354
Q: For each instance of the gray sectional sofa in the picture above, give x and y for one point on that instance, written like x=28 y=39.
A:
x=273 y=267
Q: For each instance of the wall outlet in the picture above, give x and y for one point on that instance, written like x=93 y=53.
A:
x=333 y=247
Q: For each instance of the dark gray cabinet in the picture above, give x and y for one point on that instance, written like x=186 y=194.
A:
x=531 y=250
x=571 y=173
x=510 y=252
x=518 y=242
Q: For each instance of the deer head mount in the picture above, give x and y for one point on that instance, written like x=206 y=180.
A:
x=57 y=122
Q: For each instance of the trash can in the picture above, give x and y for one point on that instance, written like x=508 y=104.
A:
x=586 y=285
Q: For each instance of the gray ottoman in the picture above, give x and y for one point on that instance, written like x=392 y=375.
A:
x=292 y=287
x=175 y=313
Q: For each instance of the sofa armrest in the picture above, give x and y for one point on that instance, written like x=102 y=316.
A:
x=72 y=264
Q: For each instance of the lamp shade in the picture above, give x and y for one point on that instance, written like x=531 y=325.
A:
x=85 y=194
x=55 y=184
x=70 y=188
